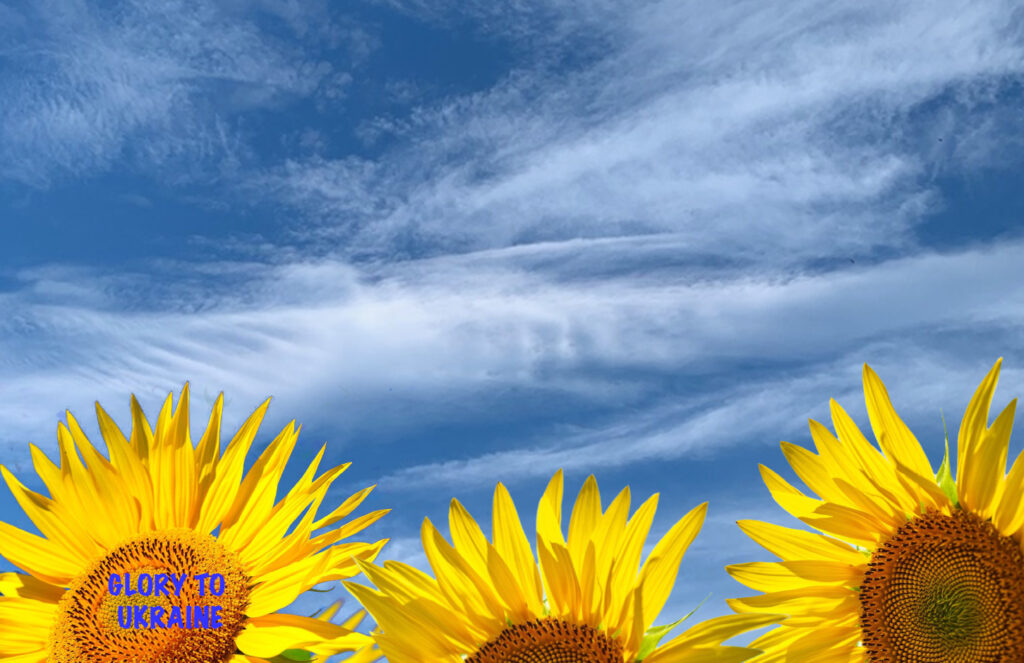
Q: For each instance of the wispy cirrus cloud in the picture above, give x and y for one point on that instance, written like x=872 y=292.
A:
x=440 y=334
x=752 y=415
x=156 y=86
x=750 y=133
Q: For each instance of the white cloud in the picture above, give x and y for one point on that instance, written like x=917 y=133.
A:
x=151 y=84
x=760 y=135
x=307 y=333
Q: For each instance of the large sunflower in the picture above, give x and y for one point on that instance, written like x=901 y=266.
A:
x=916 y=567
x=161 y=505
x=586 y=603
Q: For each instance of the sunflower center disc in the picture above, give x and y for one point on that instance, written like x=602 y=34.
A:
x=87 y=629
x=549 y=641
x=944 y=589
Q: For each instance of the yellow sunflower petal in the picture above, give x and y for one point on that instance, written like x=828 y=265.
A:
x=825 y=642
x=585 y=515
x=1009 y=516
x=985 y=465
x=975 y=421
x=817 y=600
x=792 y=544
x=627 y=559
x=898 y=442
x=208 y=452
x=835 y=519
x=714 y=631
x=706 y=655
x=38 y=556
x=54 y=521
x=255 y=496
x=28 y=587
x=610 y=529
x=225 y=484
x=549 y=511
x=420 y=639
x=270 y=635
x=777 y=576
x=596 y=599
x=125 y=458
x=468 y=538
x=510 y=541
x=662 y=565
x=459 y=584
x=868 y=462
x=24 y=625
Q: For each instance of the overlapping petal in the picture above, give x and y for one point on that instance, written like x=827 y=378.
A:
x=861 y=495
x=155 y=480
x=589 y=575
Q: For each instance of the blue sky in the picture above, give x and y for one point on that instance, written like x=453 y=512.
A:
x=465 y=242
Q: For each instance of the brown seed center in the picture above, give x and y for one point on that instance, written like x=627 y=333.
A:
x=549 y=640
x=944 y=589
x=88 y=630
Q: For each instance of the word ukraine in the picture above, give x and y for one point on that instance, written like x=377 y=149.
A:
x=166 y=584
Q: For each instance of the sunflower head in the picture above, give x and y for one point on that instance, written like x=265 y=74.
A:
x=910 y=565
x=159 y=505
x=583 y=598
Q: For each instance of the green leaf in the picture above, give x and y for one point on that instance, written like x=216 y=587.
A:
x=655 y=634
x=945 y=475
x=297 y=655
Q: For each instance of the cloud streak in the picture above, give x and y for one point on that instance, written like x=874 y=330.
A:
x=749 y=134
x=152 y=85
x=452 y=338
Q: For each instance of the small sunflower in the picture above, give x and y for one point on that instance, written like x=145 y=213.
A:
x=162 y=505
x=585 y=603
x=913 y=566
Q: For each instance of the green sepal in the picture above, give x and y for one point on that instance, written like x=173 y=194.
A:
x=945 y=476
x=655 y=634
x=297 y=655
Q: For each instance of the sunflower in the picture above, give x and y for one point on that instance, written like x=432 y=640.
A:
x=162 y=507
x=912 y=566
x=585 y=603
